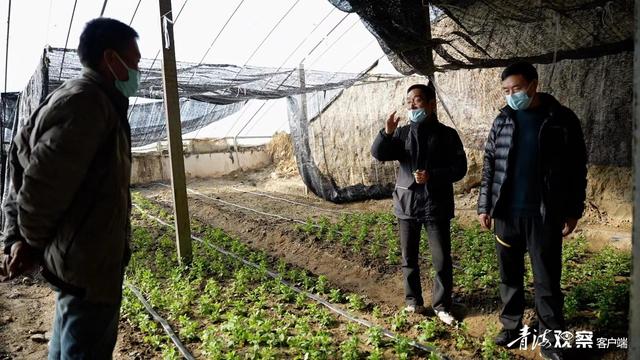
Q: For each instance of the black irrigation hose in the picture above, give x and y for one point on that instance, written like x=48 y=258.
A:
x=294 y=202
x=318 y=299
x=283 y=218
x=270 y=214
x=165 y=325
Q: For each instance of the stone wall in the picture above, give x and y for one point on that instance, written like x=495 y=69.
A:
x=155 y=166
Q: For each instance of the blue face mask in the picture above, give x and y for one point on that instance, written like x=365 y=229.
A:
x=130 y=86
x=417 y=116
x=519 y=100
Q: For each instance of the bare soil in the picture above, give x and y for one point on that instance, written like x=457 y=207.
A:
x=27 y=304
x=380 y=283
x=27 y=307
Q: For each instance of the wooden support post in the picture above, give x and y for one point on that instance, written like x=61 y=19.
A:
x=174 y=129
x=303 y=108
x=303 y=92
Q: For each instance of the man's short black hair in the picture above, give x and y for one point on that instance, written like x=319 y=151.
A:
x=428 y=92
x=521 y=68
x=101 y=34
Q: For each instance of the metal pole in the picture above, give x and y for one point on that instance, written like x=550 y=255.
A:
x=634 y=302
x=174 y=129
x=104 y=6
x=6 y=55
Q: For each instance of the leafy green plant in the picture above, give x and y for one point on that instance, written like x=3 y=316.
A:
x=375 y=336
x=335 y=295
x=349 y=349
x=322 y=284
x=301 y=298
x=361 y=238
x=323 y=227
x=376 y=354
x=461 y=336
x=333 y=233
x=356 y=302
x=490 y=350
x=377 y=312
x=402 y=346
x=352 y=328
x=430 y=330
x=399 y=321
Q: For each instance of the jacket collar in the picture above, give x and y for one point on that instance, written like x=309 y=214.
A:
x=120 y=102
x=548 y=103
x=429 y=122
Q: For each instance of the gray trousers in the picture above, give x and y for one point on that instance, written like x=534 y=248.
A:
x=439 y=234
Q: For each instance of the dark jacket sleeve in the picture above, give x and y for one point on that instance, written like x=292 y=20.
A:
x=57 y=166
x=578 y=163
x=388 y=147
x=456 y=167
x=488 y=169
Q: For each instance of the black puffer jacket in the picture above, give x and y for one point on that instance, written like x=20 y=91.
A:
x=563 y=162
x=446 y=163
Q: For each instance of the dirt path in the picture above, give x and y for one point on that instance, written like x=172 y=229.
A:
x=26 y=315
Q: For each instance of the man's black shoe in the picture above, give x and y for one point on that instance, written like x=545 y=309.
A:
x=550 y=353
x=505 y=337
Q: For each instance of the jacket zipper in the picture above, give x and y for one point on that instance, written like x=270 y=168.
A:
x=508 y=159
x=543 y=208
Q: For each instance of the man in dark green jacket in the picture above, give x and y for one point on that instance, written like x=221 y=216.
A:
x=69 y=199
x=431 y=158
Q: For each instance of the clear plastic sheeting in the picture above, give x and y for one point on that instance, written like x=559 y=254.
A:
x=208 y=92
x=8 y=109
x=8 y=124
x=217 y=84
x=148 y=124
x=313 y=178
x=319 y=101
x=466 y=34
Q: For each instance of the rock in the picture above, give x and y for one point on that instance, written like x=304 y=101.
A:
x=6 y=320
x=14 y=295
x=39 y=338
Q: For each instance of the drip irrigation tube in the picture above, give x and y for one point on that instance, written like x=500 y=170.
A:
x=335 y=309
x=293 y=202
x=269 y=214
x=165 y=325
x=282 y=218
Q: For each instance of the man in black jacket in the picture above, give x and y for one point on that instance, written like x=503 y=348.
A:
x=431 y=158
x=533 y=185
